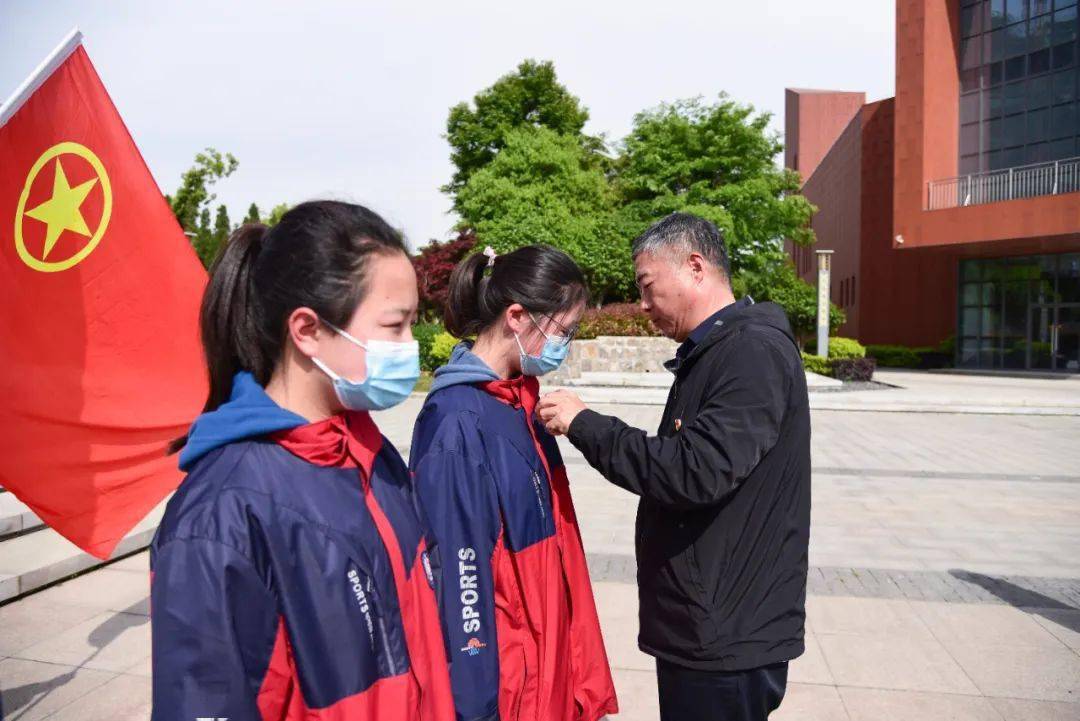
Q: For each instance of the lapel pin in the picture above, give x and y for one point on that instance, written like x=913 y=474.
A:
x=678 y=424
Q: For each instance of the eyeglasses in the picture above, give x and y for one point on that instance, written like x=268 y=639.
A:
x=566 y=335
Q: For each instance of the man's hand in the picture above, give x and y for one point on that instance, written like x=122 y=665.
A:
x=558 y=410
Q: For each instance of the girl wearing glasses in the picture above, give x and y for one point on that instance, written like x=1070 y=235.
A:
x=523 y=637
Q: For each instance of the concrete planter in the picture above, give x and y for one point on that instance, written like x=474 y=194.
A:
x=615 y=354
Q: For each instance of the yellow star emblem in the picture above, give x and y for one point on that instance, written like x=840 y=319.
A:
x=63 y=211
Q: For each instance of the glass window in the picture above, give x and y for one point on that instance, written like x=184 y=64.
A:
x=1038 y=125
x=969 y=354
x=969 y=139
x=969 y=164
x=970 y=269
x=994 y=46
x=1015 y=40
x=1039 y=33
x=1060 y=149
x=1039 y=92
x=971 y=293
x=994 y=134
x=1014 y=68
x=997 y=13
x=1039 y=7
x=1039 y=62
x=969 y=79
x=971 y=21
x=1038 y=152
x=969 y=320
x=1069 y=278
x=1015 y=11
x=1063 y=56
x=1064 y=3
x=1063 y=120
x=1014 y=157
x=997 y=73
x=969 y=53
x=1015 y=94
x=991 y=102
x=969 y=108
x=1064 y=86
x=1065 y=25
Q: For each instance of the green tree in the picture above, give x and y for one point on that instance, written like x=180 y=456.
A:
x=716 y=161
x=543 y=188
x=222 y=229
x=275 y=214
x=530 y=97
x=193 y=196
x=782 y=285
x=252 y=214
x=203 y=240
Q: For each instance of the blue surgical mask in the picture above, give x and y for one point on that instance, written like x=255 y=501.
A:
x=551 y=356
x=392 y=371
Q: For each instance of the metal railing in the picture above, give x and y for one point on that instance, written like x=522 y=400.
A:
x=995 y=186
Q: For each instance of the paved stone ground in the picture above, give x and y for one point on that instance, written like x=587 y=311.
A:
x=944 y=583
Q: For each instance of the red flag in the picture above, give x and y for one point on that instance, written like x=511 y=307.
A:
x=98 y=311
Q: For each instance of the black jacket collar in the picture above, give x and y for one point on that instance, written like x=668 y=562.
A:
x=769 y=314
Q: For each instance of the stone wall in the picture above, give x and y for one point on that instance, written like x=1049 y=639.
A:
x=615 y=354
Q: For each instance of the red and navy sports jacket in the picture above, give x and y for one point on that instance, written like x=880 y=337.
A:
x=523 y=636
x=290 y=581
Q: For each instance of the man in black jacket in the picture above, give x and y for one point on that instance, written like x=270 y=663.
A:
x=723 y=522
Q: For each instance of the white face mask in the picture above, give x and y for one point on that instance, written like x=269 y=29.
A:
x=392 y=371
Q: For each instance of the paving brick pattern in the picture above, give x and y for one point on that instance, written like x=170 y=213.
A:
x=940 y=586
x=944 y=581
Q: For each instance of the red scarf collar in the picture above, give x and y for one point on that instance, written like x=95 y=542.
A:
x=345 y=440
x=520 y=392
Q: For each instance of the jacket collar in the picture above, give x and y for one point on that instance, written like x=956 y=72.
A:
x=766 y=314
x=345 y=440
x=520 y=392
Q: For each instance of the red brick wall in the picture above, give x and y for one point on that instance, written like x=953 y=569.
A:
x=813 y=119
x=835 y=188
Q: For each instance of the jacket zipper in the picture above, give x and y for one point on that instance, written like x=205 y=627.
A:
x=539 y=494
x=386 y=646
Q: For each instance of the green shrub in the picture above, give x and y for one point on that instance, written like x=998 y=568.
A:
x=817 y=364
x=425 y=333
x=840 y=348
x=625 y=319
x=441 y=348
x=846 y=348
x=894 y=356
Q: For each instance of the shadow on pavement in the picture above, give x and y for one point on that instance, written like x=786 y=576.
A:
x=19 y=700
x=1024 y=598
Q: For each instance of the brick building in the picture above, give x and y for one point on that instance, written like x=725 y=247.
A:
x=954 y=207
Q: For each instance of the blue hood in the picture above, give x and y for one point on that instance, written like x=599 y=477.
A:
x=248 y=413
x=464 y=367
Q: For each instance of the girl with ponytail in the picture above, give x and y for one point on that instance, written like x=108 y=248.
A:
x=290 y=576
x=523 y=635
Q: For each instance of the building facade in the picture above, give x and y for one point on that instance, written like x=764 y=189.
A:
x=953 y=209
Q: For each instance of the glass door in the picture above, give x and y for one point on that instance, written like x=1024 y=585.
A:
x=1054 y=337
x=1041 y=338
x=1067 y=339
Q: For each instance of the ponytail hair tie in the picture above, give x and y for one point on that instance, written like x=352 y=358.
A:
x=491 y=256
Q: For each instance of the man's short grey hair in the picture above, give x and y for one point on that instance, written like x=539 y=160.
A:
x=688 y=233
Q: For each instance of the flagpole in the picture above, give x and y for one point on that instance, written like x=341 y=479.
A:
x=40 y=75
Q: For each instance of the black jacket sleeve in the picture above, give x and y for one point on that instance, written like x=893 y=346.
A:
x=738 y=423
